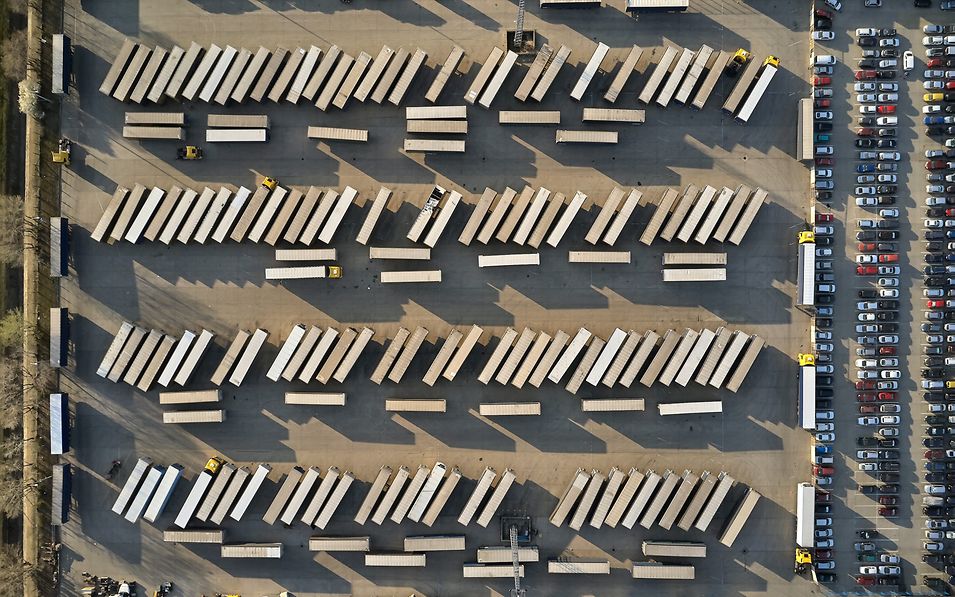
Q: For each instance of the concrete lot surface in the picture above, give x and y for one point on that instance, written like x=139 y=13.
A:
x=222 y=288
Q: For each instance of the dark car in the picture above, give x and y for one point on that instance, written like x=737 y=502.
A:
x=887 y=235
x=886 y=74
x=888 y=477
x=889 y=465
x=889 y=488
x=869 y=489
x=823 y=127
x=866 y=143
x=868 y=62
x=935 y=442
x=868 y=293
x=866 y=42
x=867 y=442
x=887 y=316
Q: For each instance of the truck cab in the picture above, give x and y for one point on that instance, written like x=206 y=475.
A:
x=737 y=62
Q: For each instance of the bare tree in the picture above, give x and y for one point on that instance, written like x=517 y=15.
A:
x=11 y=571
x=11 y=393
x=13 y=55
x=18 y=7
x=11 y=229
x=11 y=332
x=11 y=475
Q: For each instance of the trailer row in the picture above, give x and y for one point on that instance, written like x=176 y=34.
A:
x=332 y=77
x=313 y=496
x=529 y=218
x=141 y=357
x=716 y=358
x=186 y=216
x=535 y=216
x=687 y=500
x=218 y=75
x=704 y=214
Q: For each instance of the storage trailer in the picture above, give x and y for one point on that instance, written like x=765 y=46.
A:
x=59 y=336
x=765 y=77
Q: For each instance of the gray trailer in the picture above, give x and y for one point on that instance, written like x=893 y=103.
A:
x=59 y=336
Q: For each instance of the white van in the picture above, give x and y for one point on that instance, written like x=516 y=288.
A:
x=908 y=60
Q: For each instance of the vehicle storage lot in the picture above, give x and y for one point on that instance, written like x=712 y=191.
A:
x=221 y=288
x=905 y=534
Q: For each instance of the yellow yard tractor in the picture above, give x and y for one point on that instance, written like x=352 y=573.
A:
x=737 y=62
x=213 y=465
x=189 y=152
x=803 y=561
x=269 y=183
x=62 y=153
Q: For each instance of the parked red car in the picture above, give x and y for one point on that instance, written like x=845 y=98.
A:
x=867 y=247
x=824 y=217
x=865 y=581
x=889 y=512
x=822 y=81
x=888 y=500
x=950 y=85
x=886 y=395
x=889 y=258
x=886 y=350
x=861 y=75
x=821 y=12
x=865 y=132
x=868 y=409
x=865 y=384
x=823 y=471
x=824 y=161
x=934 y=62
x=935 y=165
x=823 y=103
x=885 y=109
x=823 y=496
x=934 y=454
x=867 y=270
x=936 y=304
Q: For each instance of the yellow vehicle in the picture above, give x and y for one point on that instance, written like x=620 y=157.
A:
x=737 y=62
x=807 y=236
x=950 y=384
x=213 y=464
x=189 y=152
x=269 y=183
x=771 y=60
x=803 y=561
x=933 y=97
x=334 y=271
x=62 y=153
x=806 y=360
